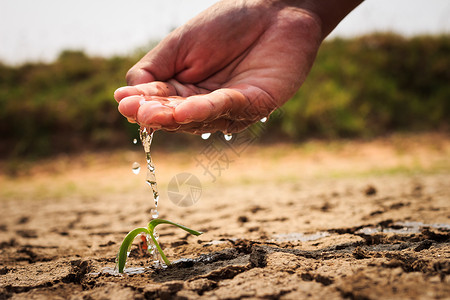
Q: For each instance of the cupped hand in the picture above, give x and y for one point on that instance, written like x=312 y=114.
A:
x=225 y=69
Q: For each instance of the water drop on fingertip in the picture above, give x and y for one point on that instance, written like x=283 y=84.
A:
x=264 y=120
x=206 y=136
x=228 y=136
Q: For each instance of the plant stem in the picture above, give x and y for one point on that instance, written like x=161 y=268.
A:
x=166 y=261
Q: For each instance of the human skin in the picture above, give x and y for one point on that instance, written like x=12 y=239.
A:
x=230 y=66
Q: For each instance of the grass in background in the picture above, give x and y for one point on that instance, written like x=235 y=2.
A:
x=371 y=86
x=362 y=87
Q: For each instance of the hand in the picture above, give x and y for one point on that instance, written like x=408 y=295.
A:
x=225 y=69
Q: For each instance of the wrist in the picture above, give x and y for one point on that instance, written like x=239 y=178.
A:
x=327 y=13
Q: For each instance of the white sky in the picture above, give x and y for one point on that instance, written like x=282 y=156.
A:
x=32 y=30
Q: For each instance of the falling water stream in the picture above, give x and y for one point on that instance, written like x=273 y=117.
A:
x=146 y=136
x=146 y=139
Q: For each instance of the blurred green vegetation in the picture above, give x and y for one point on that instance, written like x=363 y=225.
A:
x=373 y=85
x=360 y=87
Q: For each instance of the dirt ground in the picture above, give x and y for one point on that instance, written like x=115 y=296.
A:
x=337 y=220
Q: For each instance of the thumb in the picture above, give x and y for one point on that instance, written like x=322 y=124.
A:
x=137 y=75
x=157 y=64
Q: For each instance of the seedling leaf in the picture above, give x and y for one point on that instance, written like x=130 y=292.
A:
x=127 y=241
x=122 y=256
x=155 y=222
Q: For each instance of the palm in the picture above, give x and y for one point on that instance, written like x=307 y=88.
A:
x=227 y=77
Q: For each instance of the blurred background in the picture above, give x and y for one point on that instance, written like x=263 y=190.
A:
x=385 y=68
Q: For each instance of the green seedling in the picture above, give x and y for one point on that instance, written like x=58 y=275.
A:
x=128 y=240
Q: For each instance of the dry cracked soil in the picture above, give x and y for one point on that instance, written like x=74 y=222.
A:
x=341 y=220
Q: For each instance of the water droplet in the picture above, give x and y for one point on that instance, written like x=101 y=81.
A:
x=264 y=120
x=154 y=212
x=228 y=136
x=136 y=168
x=135 y=141
x=206 y=136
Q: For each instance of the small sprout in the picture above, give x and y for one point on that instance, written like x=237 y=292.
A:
x=128 y=240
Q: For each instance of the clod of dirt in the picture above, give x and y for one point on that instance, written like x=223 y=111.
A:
x=8 y=244
x=201 y=285
x=28 y=234
x=376 y=212
x=227 y=272
x=370 y=190
x=436 y=236
x=398 y=205
x=23 y=220
x=253 y=229
x=326 y=206
x=360 y=253
x=180 y=243
x=423 y=245
x=169 y=289
x=442 y=267
x=79 y=269
x=109 y=243
x=323 y=279
x=242 y=219
x=258 y=257
x=409 y=263
x=254 y=209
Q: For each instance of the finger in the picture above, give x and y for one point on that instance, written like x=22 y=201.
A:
x=138 y=74
x=157 y=64
x=156 y=115
x=129 y=106
x=156 y=88
x=219 y=103
x=222 y=124
x=148 y=110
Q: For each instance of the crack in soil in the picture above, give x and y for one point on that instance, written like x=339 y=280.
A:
x=350 y=245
